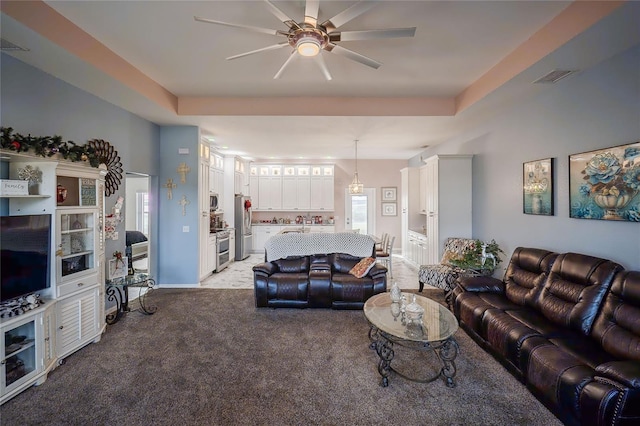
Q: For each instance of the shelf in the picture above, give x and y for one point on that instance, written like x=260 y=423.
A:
x=80 y=253
x=75 y=231
x=22 y=347
x=25 y=196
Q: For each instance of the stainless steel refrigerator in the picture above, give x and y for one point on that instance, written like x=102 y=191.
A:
x=244 y=237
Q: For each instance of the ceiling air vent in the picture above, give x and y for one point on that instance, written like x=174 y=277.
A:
x=554 y=76
x=7 y=45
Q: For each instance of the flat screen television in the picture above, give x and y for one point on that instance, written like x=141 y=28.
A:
x=25 y=250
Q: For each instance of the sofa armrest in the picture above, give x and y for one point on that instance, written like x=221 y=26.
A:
x=482 y=284
x=626 y=373
x=266 y=268
x=377 y=271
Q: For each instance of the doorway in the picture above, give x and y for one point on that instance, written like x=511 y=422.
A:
x=360 y=211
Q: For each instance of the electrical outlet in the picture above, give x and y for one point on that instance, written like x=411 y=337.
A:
x=185 y=228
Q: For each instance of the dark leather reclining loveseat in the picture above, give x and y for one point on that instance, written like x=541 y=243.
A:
x=294 y=277
x=568 y=326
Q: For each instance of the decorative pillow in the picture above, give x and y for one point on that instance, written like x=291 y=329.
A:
x=363 y=267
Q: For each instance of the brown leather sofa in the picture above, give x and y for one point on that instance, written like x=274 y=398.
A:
x=316 y=281
x=568 y=326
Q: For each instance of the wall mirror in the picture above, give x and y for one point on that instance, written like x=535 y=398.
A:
x=137 y=222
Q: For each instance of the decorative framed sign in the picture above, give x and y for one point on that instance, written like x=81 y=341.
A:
x=537 y=187
x=389 y=193
x=117 y=269
x=389 y=209
x=604 y=184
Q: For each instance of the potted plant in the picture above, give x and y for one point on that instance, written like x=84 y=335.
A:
x=481 y=257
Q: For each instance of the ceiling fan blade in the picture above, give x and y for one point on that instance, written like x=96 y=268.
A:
x=281 y=70
x=372 y=34
x=246 y=27
x=311 y=12
x=348 y=14
x=282 y=16
x=264 y=49
x=323 y=67
x=341 y=51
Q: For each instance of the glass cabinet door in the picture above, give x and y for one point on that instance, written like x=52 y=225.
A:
x=76 y=251
x=19 y=355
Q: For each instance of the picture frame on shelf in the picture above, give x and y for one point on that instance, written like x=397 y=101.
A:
x=537 y=187
x=604 y=184
x=389 y=193
x=389 y=209
x=117 y=269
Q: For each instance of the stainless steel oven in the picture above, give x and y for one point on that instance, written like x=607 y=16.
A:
x=222 y=249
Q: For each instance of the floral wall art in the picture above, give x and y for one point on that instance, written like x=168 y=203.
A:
x=538 y=187
x=605 y=184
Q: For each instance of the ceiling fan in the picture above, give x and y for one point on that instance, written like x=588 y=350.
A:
x=308 y=38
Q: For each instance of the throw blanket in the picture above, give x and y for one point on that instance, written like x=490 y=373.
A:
x=281 y=246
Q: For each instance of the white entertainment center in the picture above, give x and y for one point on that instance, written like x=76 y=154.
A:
x=72 y=315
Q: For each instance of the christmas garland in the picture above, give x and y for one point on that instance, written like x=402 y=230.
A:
x=48 y=146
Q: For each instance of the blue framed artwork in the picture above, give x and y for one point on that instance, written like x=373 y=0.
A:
x=537 y=187
x=605 y=184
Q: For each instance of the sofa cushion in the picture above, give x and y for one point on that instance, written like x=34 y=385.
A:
x=574 y=290
x=526 y=274
x=294 y=264
x=288 y=286
x=617 y=327
x=363 y=267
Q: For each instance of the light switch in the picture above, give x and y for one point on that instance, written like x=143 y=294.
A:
x=185 y=228
x=183 y=151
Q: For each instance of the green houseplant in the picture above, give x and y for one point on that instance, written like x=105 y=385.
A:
x=472 y=257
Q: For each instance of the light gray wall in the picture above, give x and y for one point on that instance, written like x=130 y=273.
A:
x=597 y=108
x=36 y=103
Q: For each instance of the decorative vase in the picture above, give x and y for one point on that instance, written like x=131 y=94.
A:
x=396 y=293
x=611 y=204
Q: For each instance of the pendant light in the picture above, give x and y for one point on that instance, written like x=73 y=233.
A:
x=356 y=187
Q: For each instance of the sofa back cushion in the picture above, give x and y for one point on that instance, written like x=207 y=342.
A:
x=526 y=274
x=293 y=264
x=342 y=262
x=575 y=289
x=617 y=326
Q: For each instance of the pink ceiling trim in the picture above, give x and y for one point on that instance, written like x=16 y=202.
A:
x=573 y=20
x=46 y=21
x=305 y=106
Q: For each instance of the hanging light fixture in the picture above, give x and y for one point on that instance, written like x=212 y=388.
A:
x=356 y=187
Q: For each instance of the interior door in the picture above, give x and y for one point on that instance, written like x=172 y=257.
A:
x=360 y=211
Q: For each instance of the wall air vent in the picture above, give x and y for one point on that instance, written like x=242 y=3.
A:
x=6 y=45
x=555 y=76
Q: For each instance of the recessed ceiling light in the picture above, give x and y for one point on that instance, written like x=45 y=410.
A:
x=210 y=138
x=224 y=147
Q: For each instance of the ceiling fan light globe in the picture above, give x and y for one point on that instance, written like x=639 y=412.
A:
x=308 y=47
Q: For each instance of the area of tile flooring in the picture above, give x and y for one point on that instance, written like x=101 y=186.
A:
x=240 y=275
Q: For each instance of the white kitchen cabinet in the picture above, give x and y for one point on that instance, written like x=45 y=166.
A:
x=448 y=183
x=211 y=255
x=232 y=245
x=417 y=248
x=261 y=233
x=410 y=216
x=325 y=229
x=270 y=193
x=254 y=191
x=296 y=193
x=423 y=190
x=77 y=321
x=322 y=196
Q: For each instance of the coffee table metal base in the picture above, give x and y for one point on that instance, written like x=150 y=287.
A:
x=446 y=351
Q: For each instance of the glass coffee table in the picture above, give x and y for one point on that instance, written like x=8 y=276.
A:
x=433 y=333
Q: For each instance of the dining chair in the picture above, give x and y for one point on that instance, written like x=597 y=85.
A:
x=385 y=256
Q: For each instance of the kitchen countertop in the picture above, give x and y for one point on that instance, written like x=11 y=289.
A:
x=419 y=231
x=299 y=225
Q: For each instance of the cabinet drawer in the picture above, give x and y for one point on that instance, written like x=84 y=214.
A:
x=78 y=284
